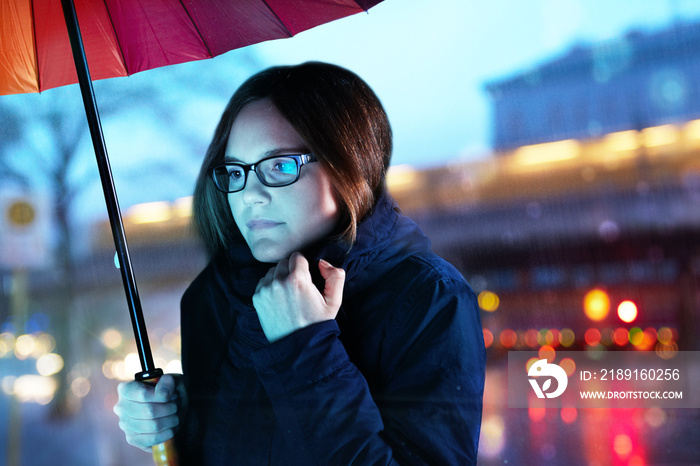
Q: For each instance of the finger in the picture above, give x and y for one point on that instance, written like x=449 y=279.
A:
x=299 y=267
x=335 y=281
x=136 y=391
x=165 y=388
x=148 y=426
x=282 y=270
x=146 y=441
x=134 y=410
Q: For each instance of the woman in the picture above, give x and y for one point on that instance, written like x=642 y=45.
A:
x=324 y=330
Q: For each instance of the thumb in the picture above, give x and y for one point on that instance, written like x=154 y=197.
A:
x=165 y=388
x=335 y=280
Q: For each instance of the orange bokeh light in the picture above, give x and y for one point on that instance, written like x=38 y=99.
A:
x=508 y=338
x=596 y=304
x=531 y=337
x=547 y=352
x=569 y=366
x=488 y=338
x=622 y=445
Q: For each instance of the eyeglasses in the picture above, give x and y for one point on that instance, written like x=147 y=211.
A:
x=277 y=171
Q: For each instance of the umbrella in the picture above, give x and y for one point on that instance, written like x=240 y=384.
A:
x=122 y=37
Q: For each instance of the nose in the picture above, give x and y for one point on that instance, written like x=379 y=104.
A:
x=254 y=191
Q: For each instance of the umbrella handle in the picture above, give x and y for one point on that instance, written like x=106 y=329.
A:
x=164 y=454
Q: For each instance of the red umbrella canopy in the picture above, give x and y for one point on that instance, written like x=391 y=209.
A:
x=123 y=37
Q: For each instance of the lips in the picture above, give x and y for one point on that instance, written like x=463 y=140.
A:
x=262 y=224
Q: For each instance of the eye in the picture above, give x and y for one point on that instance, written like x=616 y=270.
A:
x=236 y=173
x=286 y=167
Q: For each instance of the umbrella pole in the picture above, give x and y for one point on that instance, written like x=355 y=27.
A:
x=164 y=454
x=98 y=142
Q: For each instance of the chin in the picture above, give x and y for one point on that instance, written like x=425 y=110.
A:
x=269 y=255
x=267 y=259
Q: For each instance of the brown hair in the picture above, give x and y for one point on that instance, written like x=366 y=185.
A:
x=338 y=116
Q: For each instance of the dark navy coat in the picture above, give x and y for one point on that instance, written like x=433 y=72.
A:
x=397 y=378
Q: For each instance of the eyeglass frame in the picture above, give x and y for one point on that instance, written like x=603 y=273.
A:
x=301 y=160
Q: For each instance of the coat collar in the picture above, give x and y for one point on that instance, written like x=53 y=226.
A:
x=383 y=231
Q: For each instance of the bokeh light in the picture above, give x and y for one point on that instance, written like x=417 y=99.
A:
x=567 y=337
x=636 y=336
x=650 y=335
x=492 y=439
x=568 y=414
x=508 y=338
x=80 y=386
x=621 y=336
x=552 y=337
x=655 y=417
x=627 y=311
x=488 y=301
x=24 y=346
x=665 y=335
x=34 y=389
x=112 y=338
x=547 y=352
x=531 y=338
x=488 y=338
x=173 y=367
x=569 y=366
x=7 y=344
x=596 y=304
x=43 y=344
x=49 y=364
x=592 y=337
x=8 y=384
x=132 y=365
x=536 y=410
x=529 y=363
x=622 y=445
x=667 y=351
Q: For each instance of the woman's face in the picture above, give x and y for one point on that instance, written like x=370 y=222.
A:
x=275 y=222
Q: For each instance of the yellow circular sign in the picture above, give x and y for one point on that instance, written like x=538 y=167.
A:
x=21 y=213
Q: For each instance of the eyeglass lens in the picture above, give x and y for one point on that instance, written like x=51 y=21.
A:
x=276 y=171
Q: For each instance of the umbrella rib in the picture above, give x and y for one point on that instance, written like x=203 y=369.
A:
x=36 y=48
x=119 y=44
x=278 y=18
x=196 y=28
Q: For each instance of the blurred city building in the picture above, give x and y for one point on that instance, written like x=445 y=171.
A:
x=636 y=81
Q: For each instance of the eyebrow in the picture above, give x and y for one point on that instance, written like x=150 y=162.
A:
x=271 y=153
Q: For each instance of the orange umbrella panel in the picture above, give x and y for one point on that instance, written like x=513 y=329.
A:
x=35 y=53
